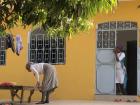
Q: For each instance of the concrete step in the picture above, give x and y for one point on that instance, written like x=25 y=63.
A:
x=124 y=98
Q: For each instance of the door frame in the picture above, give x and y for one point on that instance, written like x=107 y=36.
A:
x=120 y=26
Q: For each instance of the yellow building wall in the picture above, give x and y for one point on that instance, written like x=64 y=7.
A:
x=77 y=76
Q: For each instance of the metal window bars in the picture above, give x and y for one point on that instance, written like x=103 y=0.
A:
x=2 y=50
x=106 y=32
x=46 y=49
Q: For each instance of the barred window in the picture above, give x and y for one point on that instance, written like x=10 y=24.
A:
x=44 y=49
x=106 y=32
x=2 y=51
x=106 y=39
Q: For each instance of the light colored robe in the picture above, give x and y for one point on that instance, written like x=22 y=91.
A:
x=50 y=80
x=120 y=69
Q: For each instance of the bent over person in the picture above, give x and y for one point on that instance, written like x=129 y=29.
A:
x=49 y=82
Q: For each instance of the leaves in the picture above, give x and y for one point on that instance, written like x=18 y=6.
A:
x=57 y=17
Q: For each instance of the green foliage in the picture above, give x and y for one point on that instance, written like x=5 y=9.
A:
x=57 y=17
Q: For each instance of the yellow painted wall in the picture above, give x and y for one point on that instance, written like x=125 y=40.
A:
x=126 y=11
x=77 y=76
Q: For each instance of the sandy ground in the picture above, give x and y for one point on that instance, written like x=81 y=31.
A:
x=82 y=102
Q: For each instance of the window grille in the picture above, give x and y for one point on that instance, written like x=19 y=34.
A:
x=46 y=49
x=106 y=32
x=2 y=51
x=105 y=39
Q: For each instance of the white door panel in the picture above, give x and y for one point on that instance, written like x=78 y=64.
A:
x=105 y=56
x=105 y=71
x=105 y=79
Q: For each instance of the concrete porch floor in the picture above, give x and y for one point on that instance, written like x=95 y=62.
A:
x=82 y=102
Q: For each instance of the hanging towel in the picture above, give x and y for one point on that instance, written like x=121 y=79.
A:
x=19 y=46
x=10 y=42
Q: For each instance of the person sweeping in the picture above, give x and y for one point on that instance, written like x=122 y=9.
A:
x=49 y=82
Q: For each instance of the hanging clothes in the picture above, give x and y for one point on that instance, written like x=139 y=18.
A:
x=10 y=42
x=19 y=45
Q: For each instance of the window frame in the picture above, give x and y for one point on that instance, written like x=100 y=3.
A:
x=3 y=49
x=57 y=48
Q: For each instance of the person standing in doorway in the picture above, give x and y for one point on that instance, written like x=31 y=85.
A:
x=49 y=82
x=120 y=69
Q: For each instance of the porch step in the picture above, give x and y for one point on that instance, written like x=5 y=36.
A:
x=125 y=98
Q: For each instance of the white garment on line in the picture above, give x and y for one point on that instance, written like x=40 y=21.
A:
x=19 y=45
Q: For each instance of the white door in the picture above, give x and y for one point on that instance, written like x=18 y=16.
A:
x=105 y=62
x=105 y=59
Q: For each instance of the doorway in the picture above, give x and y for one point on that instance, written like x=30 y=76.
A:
x=109 y=34
x=128 y=38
